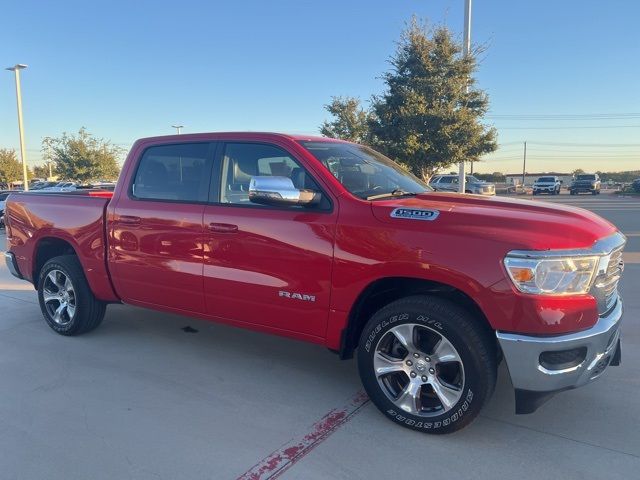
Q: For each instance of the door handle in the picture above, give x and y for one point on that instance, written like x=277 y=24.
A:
x=223 y=228
x=129 y=219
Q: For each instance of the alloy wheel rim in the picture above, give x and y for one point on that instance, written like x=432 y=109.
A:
x=59 y=297
x=419 y=370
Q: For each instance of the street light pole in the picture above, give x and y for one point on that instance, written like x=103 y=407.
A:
x=23 y=151
x=466 y=49
x=178 y=128
x=524 y=164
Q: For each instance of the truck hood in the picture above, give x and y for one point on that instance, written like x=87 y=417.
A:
x=521 y=224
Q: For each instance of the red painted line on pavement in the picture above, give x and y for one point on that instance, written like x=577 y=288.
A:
x=279 y=461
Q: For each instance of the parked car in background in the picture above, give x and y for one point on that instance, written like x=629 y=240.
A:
x=449 y=183
x=41 y=185
x=3 y=200
x=104 y=185
x=550 y=185
x=585 y=183
x=333 y=243
x=636 y=185
x=61 y=187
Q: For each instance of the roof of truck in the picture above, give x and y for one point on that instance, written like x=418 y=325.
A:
x=243 y=135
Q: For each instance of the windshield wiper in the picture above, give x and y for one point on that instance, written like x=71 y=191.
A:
x=398 y=192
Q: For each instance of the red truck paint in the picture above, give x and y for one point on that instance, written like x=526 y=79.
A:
x=227 y=263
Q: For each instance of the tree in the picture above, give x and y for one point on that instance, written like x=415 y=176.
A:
x=351 y=121
x=10 y=167
x=495 y=177
x=577 y=171
x=41 y=171
x=82 y=157
x=427 y=118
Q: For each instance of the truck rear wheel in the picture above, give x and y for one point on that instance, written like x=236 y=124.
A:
x=66 y=301
x=427 y=364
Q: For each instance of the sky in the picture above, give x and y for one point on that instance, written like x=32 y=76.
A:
x=562 y=75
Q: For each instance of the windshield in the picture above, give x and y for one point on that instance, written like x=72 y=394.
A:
x=546 y=179
x=365 y=172
x=586 y=177
x=472 y=179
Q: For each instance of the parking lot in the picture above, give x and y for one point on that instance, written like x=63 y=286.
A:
x=142 y=398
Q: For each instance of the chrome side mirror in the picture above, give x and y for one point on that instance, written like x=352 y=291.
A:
x=280 y=191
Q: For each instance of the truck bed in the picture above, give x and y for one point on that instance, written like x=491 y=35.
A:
x=61 y=221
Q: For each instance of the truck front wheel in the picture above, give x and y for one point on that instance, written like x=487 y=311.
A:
x=427 y=364
x=66 y=301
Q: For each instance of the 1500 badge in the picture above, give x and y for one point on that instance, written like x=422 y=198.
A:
x=415 y=213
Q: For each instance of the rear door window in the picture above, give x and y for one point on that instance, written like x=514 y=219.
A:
x=178 y=172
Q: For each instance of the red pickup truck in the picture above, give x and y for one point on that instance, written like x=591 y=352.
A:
x=332 y=243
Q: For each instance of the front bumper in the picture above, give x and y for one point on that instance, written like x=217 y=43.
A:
x=535 y=381
x=12 y=265
x=544 y=189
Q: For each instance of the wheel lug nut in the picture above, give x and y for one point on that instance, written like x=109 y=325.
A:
x=432 y=371
x=427 y=359
x=409 y=362
x=413 y=374
x=424 y=379
x=416 y=355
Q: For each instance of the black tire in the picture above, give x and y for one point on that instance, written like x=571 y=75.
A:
x=433 y=319
x=595 y=192
x=88 y=312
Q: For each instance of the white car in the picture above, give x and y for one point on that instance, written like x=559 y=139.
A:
x=550 y=185
x=3 y=200
x=449 y=183
x=61 y=187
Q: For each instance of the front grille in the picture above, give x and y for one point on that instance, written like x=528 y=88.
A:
x=606 y=287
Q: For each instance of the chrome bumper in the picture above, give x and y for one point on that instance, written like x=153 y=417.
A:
x=531 y=379
x=12 y=264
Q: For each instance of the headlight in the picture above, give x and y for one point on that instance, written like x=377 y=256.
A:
x=552 y=275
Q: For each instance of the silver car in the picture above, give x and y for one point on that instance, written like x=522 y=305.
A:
x=449 y=183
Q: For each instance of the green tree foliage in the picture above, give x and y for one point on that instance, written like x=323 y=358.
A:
x=10 y=166
x=428 y=118
x=350 y=122
x=82 y=157
x=624 y=177
x=41 y=171
x=495 y=177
